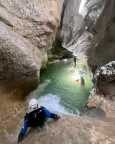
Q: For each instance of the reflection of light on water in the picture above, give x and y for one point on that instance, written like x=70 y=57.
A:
x=76 y=76
x=65 y=60
x=52 y=102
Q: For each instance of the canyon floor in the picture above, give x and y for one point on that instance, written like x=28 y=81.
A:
x=86 y=129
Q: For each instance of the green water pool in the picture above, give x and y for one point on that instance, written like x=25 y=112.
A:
x=61 y=83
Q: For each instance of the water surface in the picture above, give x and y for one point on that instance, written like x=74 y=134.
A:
x=58 y=81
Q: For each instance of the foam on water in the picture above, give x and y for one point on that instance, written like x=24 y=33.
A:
x=52 y=102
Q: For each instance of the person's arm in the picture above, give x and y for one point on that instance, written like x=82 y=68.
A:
x=24 y=129
x=49 y=114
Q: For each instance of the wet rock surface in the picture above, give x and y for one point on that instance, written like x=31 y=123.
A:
x=73 y=130
x=95 y=126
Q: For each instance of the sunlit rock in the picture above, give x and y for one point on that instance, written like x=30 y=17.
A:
x=82 y=9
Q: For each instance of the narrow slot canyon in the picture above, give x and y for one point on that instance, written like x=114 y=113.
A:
x=60 y=52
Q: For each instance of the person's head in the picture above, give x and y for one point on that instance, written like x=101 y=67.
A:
x=33 y=105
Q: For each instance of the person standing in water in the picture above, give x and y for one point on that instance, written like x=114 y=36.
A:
x=35 y=117
x=82 y=81
x=75 y=61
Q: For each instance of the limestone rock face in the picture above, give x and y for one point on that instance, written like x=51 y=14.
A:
x=106 y=72
x=87 y=27
x=27 y=29
x=19 y=59
x=103 y=92
x=104 y=79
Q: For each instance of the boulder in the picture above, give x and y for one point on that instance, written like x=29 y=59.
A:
x=27 y=30
x=104 y=79
x=106 y=72
x=19 y=59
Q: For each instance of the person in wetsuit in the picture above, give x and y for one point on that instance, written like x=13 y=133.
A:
x=35 y=117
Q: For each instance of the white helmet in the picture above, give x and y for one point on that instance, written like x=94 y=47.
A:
x=33 y=105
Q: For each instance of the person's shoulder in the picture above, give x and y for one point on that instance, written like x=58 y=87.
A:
x=40 y=108
x=26 y=116
x=43 y=108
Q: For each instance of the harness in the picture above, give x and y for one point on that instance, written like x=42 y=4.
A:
x=36 y=118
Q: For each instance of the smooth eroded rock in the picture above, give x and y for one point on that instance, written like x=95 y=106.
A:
x=87 y=28
x=27 y=30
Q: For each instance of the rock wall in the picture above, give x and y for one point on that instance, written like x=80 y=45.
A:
x=27 y=29
x=88 y=29
x=104 y=80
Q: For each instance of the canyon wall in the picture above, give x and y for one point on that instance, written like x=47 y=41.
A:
x=27 y=30
x=87 y=27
